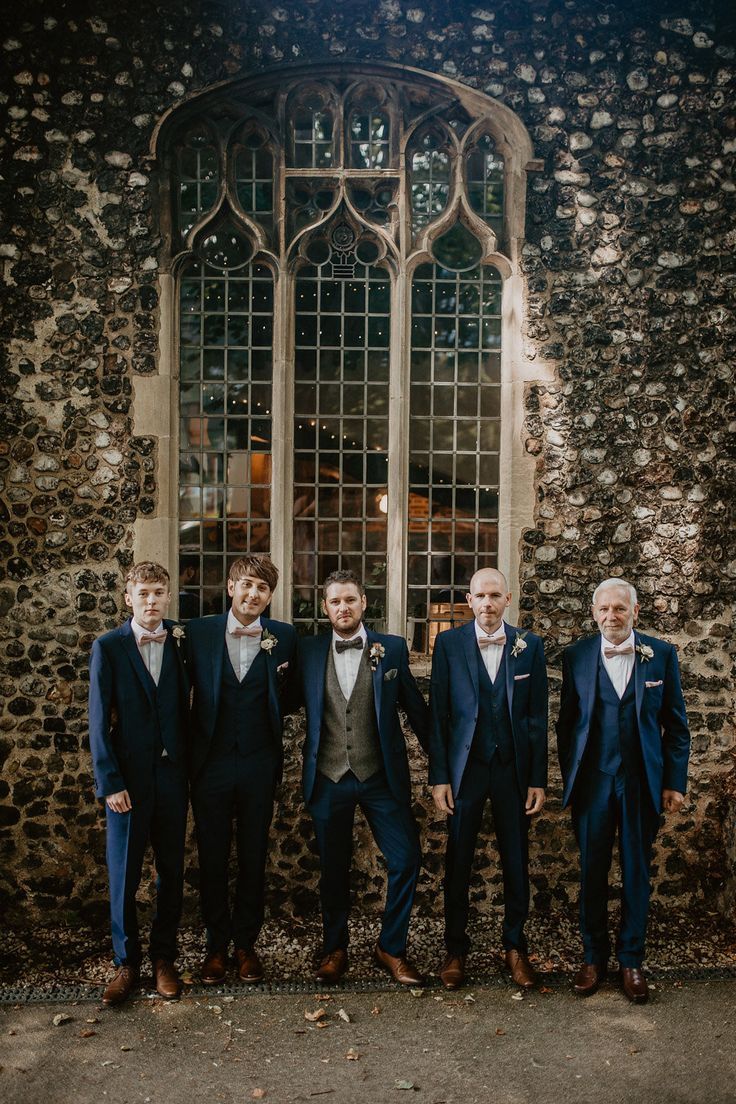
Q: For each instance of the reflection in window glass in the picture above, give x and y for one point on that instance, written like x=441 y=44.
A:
x=454 y=438
x=311 y=137
x=197 y=179
x=340 y=433
x=485 y=183
x=226 y=324
x=254 y=180
x=430 y=180
x=369 y=140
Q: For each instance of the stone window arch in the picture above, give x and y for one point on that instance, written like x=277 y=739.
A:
x=341 y=278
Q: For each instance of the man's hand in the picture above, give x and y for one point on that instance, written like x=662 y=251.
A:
x=442 y=796
x=534 y=800
x=119 y=802
x=672 y=800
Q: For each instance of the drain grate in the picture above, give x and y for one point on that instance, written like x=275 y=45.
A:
x=558 y=980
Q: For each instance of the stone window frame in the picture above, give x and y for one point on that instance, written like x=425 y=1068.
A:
x=156 y=406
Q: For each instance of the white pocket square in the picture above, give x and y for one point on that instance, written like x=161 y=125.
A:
x=517 y=678
x=651 y=685
x=390 y=675
x=283 y=666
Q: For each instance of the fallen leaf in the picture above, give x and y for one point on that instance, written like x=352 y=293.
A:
x=227 y=1000
x=500 y=1031
x=319 y=1014
x=92 y=1019
x=375 y=1010
x=405 y=1085
x=352 y=1055
x=417 y=992
x=322 y=1024
x=343 y=1015
x=469 y=999
x=545 y=989
x=86 y=1034
x=258 y=1094
x=216 y=1009
x=125 y=1047
x=517 y=996
x=634 y=1050
x=62 y=1018
x=187 y=978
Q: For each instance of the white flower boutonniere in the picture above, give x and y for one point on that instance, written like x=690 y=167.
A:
x=268 y=641
x=645 y=652
x=178 y=634
x=520 y=645
x=375 y=655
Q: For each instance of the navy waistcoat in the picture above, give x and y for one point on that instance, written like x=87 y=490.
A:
x=614 y=736
x=243 y=721
x=493 y=729
x=166 y=699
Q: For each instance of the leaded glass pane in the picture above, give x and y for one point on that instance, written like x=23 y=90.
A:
x=197 y=178
x=430 y=181
x=453 y=445
x=254 y=182
x=369 y=140
x=485 y=183
x=225 y=429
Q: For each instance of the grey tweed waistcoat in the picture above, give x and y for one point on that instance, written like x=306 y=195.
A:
x=349 y=736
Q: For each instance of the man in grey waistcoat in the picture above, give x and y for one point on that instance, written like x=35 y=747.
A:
x=354 y=681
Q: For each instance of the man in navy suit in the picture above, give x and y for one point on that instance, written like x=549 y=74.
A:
x=138 y=707
x=354 y=681
x=488 y=704
x=623 y=744
x=240 y=664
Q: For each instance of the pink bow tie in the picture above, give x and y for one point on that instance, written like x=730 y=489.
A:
x=609 y=653
x=484 y=641
x=241 y=631
x=152 y=638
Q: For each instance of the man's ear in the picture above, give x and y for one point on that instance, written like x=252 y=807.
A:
x=128 y=600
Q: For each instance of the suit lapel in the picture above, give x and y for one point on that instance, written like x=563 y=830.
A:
x=638 y=677
x=511 y=632
x=590 y=674
x=317 y=684
x=470 y=647
x=218 y=645
x=271 y=668
x=377 y=675
x=128 y=640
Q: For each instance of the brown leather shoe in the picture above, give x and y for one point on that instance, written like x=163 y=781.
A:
x=121 y=985
x=332 y=967
x=452 y=971
x=519 y=967
x=400 y=968
x=249 y=965
x=166 y=979
x=634 y=984
x=214 y=968
x=588 y=978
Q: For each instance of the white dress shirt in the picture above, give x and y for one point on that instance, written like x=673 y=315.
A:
x=242 y=649
x=152 y=654
x=492 y=654
x=619 y=667
x=347 y=663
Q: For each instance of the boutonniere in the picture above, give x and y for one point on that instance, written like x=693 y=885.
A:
x=375 y=655
x=178 y=634
x=520 y=645
x=268 y=641
x=645 y=652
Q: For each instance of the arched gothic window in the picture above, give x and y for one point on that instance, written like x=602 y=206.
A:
x=340 y=242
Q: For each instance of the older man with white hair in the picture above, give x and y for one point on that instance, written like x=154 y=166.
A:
x=623 y=743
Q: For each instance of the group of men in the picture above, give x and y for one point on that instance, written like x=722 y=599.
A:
x=196 y=712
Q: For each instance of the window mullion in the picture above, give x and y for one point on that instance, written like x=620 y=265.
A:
x=398 y=454
x=283 y=443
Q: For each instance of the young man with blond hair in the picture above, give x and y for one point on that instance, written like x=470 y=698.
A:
x=138 y=705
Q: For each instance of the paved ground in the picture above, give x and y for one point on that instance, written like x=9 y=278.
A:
x=481 y=1046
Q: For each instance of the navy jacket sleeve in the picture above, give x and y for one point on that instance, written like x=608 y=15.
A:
x=108 y=779
x=675 y=731
x=439 y=704
x=412 y=700
x=538 y=720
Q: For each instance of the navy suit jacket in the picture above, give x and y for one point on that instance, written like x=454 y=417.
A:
x=206 y=653
x=123 y=726
x=453 y=700
x=393 y=687
x=660 y=713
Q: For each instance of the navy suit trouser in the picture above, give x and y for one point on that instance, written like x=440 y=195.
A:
x=332 y=808
x=494 y=781
x=601 y=806
x=159 y=818
x=233 y=795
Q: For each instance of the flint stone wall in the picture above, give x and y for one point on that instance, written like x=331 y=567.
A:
x=630 y=275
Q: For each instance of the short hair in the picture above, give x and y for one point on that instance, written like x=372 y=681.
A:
x=147 y=571
x=343 y=576
x=478 y=571
x=621 y=583
x=261 y=566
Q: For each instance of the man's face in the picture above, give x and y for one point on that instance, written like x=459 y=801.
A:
x=344 y=605
x=148 y=601
x=614 y=614
x=488 y=599
x=250 y=597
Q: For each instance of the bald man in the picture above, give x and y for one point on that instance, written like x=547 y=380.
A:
x=488 y=741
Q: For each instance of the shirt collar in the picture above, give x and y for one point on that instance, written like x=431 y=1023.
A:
x=138 y=630
x=233 y=623
x=500 y=631
x=629 y=642
x=361 y=634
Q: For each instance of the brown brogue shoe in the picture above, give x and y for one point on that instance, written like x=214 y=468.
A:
x=634 y=984
x=400 y=968
x=250 y=968
x=588 y=978
x=214 y=968
x=519 y=967
x=452 y=971
x=166 y=979
x=120 y=987
x=332 y=967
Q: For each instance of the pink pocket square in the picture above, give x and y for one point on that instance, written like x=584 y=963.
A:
x=283 y=666
x=651 y=685
x=517 y=678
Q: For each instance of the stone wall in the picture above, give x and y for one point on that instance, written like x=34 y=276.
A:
x=630 y=275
